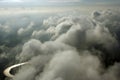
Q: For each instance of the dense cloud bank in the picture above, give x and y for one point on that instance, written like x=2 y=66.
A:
x=71 y=48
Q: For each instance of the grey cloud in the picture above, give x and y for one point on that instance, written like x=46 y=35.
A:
x=31 y=48
x=51 y=21
x=35 y=47
x=68 y=66
x=72 y=48
x=42 y=35
x=23 y=31
x=10 y=42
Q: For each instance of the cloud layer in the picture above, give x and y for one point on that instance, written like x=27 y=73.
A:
x=69 y=48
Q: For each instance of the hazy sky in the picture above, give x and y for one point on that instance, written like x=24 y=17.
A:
x=55 y=2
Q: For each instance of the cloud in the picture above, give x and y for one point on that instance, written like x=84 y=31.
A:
x=35 y=47
x=42 y=35
x=30 y=48
x=10 y=42
x=23 y=31
x=67 y=47
x=68 y=66
x=5 y=28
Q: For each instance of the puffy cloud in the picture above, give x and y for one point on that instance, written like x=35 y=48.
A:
x=10 y=42
x=42 y=35
x=72 y=48
x=69 y=65
x=23 y=31
x=34 y=48
x=5 y=28
x=52 y=32
x=30 y=49
x=111 y=20
x=51 y=21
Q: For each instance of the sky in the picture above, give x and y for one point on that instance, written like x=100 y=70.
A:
x=55 y=2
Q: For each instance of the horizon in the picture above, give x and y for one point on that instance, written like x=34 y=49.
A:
x=37 y=3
